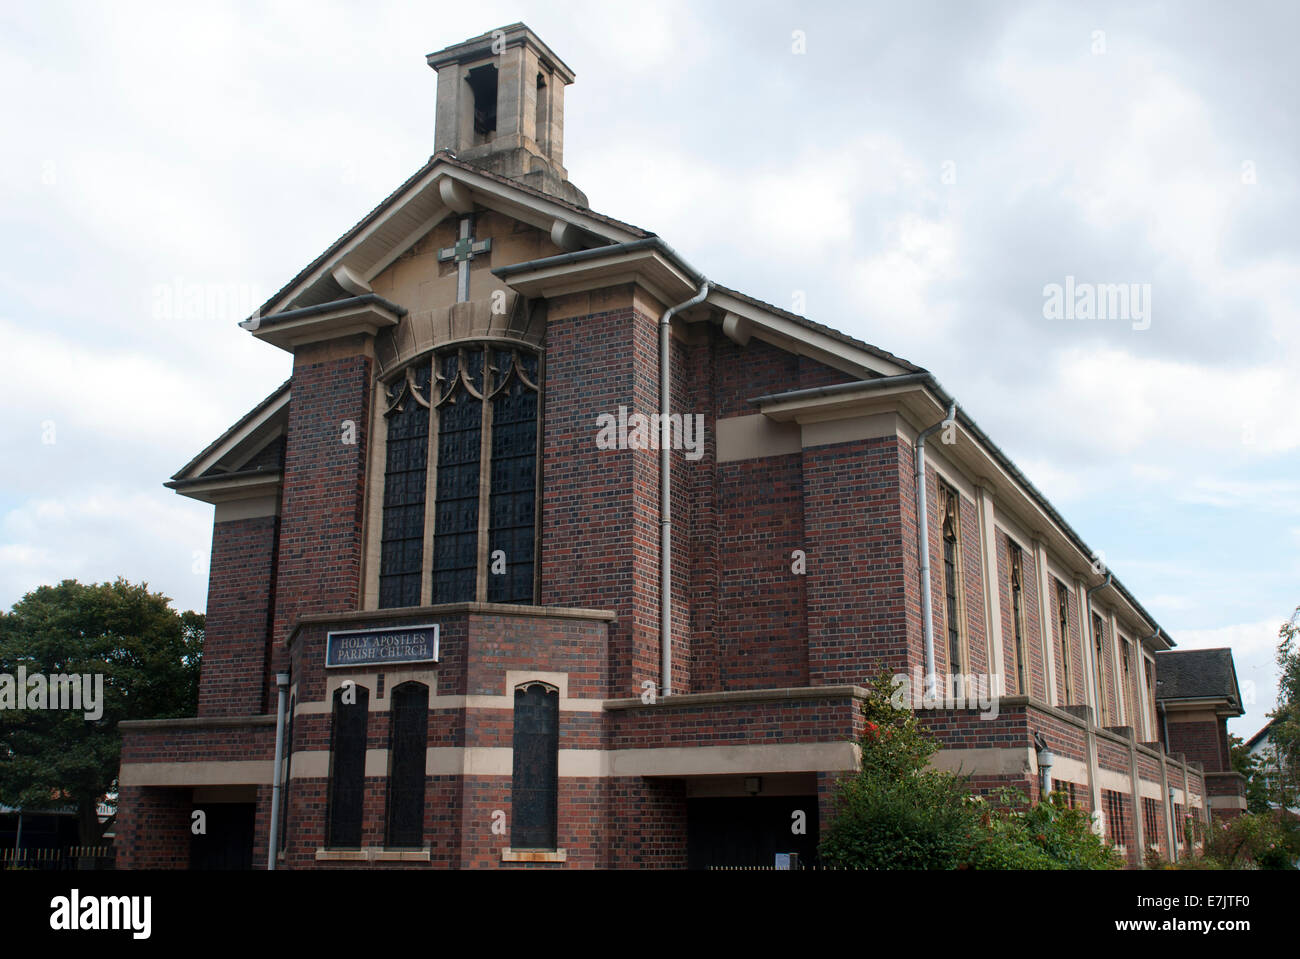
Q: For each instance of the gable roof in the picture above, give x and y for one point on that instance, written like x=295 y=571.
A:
x=1254 y=740
x=404 y=231
x=1183 y=674
x=243 y=441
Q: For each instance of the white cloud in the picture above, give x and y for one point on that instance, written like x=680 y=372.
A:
x=99 y=533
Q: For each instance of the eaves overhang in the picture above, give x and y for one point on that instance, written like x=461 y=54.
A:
x=227 y=487
x=253 y=430
x=648 y=262
x=368 y=313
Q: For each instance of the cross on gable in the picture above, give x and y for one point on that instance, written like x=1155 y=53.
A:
x=463 y=252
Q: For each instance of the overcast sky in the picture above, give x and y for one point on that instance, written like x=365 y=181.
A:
x=918 y=174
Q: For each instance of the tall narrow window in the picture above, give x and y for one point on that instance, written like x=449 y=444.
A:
x=1063 y=625
x=1117 y=828
x=460 y=438
x=536 y=766
x=1151 y=822
x=948 y=507
x=514 y=477
x=408 y=741
x=1127 y=706
x=402 y=550
x=1149 y=675
x=1018 y=617
x=347 y=765
x=1098 y=633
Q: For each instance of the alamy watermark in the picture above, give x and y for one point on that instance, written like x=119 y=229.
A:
x=76 y=691
x=981 y=691
x=1098 y=301
x=639 y=431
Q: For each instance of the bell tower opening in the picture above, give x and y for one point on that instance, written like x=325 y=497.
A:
x=483 y=84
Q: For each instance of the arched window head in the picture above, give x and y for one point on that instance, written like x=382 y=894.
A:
x=408 y=739
x=535 y=783
x=347 y=765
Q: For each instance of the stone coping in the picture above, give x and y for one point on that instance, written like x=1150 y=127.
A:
x=198 y=722
x=742 y=696
x=373 y=854
x=344 y=617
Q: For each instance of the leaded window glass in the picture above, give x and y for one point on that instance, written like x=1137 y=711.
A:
x=1063 y=625
x=514 y=477
x=1097 y=638
x=536 y=766
x=460 y=437
x=347 y=765
x=408 y=740
x=406 y=468
x=1018 y=617
x=477 y=539
x=948 y=505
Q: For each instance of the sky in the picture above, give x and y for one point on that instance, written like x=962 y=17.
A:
x=921 y=176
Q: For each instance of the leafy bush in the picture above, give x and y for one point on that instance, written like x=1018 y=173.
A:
x=1255 y=841
x=896 y=814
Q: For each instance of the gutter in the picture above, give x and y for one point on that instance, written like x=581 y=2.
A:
x=366 y=299
x=597 y=252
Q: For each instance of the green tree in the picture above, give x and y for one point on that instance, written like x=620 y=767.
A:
x=148 y=656
x=1250 y=767
x=1285 y=733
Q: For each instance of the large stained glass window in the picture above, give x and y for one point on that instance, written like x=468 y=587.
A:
x=463 y=426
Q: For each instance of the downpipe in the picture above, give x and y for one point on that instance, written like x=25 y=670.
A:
x=282 y=683
x=665 y=492
x=923 y=550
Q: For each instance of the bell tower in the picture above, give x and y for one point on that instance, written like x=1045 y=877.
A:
x=501 y=107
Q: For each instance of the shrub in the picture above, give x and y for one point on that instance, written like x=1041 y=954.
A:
x=895 y=814
x=1255 y=841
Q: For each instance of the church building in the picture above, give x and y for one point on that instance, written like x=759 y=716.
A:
x=553 y=552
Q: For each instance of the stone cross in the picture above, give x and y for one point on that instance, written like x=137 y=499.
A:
x=466 y=249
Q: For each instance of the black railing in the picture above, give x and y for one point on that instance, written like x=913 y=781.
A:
x=54 y=860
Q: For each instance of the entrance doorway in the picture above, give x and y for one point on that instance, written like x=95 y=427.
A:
x=750 y=831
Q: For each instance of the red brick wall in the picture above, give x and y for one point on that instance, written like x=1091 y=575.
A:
x=238 y=620
x=856 y=607
x=1202 y=742
x=600 y=508
x=153 y=828
x=319 y=566
x=761 y=631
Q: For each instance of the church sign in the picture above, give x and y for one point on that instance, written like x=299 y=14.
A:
x=382 y=647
